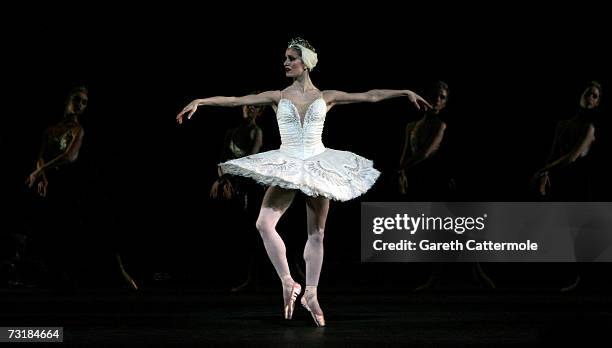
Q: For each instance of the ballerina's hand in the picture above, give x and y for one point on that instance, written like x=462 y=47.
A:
x=228 y=190
x=420 y=103
x=190 y=109
x=544 y=185
x=214 y=190
x=222 y=188
x=403 y=182
x=31 y=180
x=451 y=184
x=42 y=187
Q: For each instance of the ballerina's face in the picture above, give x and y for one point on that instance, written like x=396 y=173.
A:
x=251 y=111
x=294 y=66
x=439 y=100
x=77 y=103
x=590 y=98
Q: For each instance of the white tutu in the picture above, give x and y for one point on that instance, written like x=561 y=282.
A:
x=338 y=175
x=303 y=163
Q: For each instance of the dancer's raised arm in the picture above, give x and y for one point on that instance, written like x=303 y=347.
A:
x=373 y=96
x=265 y=98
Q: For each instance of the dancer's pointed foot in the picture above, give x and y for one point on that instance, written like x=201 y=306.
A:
x=432 y=284
x=290 y=293
x=131 y=283
x=573 y=286
x=311 y=303
x=244 y=287
x=482 y=278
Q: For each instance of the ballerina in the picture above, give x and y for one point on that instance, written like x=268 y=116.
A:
x=302 y=164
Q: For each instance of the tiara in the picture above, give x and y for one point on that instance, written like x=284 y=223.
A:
x=302 y=42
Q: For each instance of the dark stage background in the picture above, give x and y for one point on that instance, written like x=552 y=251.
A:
x=147 y=179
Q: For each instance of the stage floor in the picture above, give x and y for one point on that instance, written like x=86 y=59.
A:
x=178 y=315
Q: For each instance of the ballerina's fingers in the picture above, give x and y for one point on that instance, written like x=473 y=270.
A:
x=214 y=190
x=191 y=113
x=181 y=115
x=544 y=185
x=425 y=105
x=31 y=180
x=403 y=182
x=42 y=189
x=228 y=189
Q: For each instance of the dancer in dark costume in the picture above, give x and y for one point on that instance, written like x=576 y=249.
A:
x=59 y=174
x=244 y=194
x=425 y=172
x=566 y=175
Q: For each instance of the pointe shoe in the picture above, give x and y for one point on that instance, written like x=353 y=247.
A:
x=319 y=319
x=295 y=291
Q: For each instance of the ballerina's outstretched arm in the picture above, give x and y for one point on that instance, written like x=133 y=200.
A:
x=373 y=96
x=265 y=98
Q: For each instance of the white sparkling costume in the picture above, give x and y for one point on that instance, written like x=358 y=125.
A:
x=303 y=162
